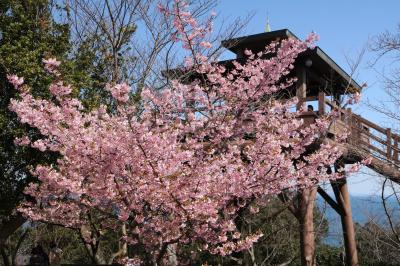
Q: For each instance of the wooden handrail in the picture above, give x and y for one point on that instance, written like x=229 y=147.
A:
x=372 y=136
x=360 y=130
x=372 y=147
x=369 y=123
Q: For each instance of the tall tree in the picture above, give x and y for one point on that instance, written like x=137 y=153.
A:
x=104 y=30
x=28 y=33
x=185 y=166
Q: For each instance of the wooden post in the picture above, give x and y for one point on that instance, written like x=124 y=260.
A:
x=349 y=117
x=307 y=197
x=306 y=222
x=336 y=99
x=388 y=143
x=321 y=103
x=301 y=87
x=396 y=148
x=343 y=199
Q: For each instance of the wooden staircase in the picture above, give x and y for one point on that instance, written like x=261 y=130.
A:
x=366 y=139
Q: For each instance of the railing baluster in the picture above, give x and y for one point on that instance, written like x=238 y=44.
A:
x=388 y=143
x=396 y=148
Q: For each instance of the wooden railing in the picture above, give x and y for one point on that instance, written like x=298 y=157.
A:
x=380 y=142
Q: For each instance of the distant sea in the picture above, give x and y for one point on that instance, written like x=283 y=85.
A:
x=364 y=208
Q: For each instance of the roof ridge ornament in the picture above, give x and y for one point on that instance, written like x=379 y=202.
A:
x=267 y=26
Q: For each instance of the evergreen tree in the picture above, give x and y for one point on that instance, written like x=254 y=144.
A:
x=28 y=33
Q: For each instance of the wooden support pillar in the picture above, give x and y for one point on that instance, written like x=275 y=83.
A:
x=321 y=103
x=306 y=222
x=301 y=87
x=343 y=199
x=305 y=210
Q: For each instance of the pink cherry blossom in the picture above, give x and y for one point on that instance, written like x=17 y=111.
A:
x=120 y=92
x=206 y=44
x=51 y=65
x=182 y=168
x=23 y=141
x=367 y=161
x=59 y=89
x=15 y=80
x=354 y=98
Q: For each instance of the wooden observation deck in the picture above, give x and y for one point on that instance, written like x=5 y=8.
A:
x=320 y=80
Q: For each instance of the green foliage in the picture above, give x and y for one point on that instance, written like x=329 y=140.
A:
x=73 y=250
x=68 y=240
x=329 y=255
x=28 y=34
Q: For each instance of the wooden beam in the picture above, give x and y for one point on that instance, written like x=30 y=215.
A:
x=343 y=199
x=330 y=201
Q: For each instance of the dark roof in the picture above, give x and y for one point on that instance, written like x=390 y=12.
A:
x=322 y=65
x=257 y=40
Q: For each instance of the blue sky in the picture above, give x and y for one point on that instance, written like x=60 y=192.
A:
x=344 y=27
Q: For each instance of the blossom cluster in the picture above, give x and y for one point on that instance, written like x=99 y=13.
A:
x=51 y=65
x=15 y=81
x=120 y=92
x=189 y=32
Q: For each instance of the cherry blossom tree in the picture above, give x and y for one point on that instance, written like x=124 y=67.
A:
x=180 y=167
